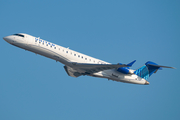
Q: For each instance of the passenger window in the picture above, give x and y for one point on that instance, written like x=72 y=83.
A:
x=85 y=58
x=74 y=54
x=46 y=44
x=54 y=47
x=82 y=57
x=78 y=55
x=66 y=51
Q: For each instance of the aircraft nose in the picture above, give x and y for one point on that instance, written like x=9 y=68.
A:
x=146 y=83
x=8 y=39
x=5 y=38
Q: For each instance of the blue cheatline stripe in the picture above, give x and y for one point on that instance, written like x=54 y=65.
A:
x=142 y=72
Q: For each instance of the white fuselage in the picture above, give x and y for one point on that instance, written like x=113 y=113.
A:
x=67 y=56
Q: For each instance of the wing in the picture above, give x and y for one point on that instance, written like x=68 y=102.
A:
x=84 y=68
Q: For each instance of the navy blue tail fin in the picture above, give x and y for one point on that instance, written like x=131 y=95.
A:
x=148 y=69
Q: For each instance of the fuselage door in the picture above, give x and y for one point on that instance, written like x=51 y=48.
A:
x=25 y=39
x=35 y=41
x=30 y=40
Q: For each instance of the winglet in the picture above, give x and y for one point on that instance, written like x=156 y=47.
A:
x=131 y=63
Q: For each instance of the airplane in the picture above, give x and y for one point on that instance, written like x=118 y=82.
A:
x=78 y=64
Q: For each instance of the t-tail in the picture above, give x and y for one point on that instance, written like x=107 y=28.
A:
x=148 y=69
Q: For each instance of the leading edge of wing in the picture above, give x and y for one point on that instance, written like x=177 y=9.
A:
x=85 y=65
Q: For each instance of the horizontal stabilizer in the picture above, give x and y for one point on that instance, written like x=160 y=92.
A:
x=160 y=66
x=148 y=69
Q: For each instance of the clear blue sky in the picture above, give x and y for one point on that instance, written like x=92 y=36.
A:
x=33 y=87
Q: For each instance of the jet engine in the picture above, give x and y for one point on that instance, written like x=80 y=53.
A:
x=126 y=70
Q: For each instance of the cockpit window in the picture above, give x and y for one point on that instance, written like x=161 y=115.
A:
x=19 y=35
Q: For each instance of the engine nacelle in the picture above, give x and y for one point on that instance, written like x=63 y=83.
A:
x=125 y=70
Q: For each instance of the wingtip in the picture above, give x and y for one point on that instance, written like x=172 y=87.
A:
x=131 y=63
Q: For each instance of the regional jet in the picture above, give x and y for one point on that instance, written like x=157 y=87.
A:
x=78 y=64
